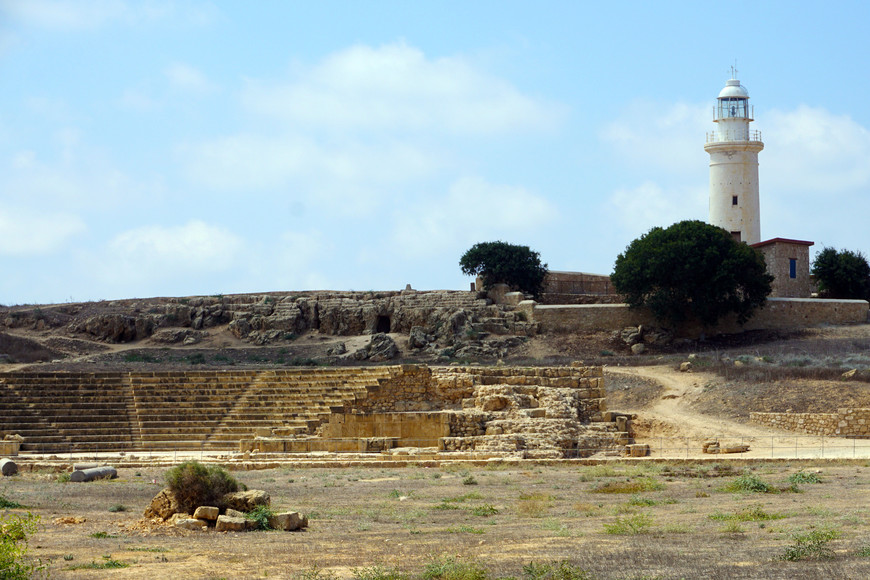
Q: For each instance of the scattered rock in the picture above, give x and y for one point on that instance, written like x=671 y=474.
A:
x=288 y=521
x=163 y=506
x=204 y=512
x=234 y=513
x=710 y=446
x=245 y=501
x=849 y=374
x=685 y=367
x=192 y=524
x=418 y=338
x=229 y=524
x=337 y=350
x=638 y=348
x=381 y=348
x=70 y=520
x=638 y=450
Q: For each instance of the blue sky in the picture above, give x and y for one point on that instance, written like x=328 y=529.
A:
x=173 y=148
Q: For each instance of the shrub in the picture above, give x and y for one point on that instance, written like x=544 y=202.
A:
x=379 y=573
x=501 y=263
x=14 y=532
x=9 y=504
x=638 y=485
x=842 y=274
x=811 y=545
x=749 y=483
x=563 y=570
x=449 y=568
x=195 y=484
x=261 y=515
x=804 y=477
x=629 y=525
x=692 y=270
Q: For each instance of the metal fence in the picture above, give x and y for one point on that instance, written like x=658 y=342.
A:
x=797 y=446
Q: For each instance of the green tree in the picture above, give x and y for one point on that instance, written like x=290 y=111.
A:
x=842 y=274
x=692 y=270
x=501 y=263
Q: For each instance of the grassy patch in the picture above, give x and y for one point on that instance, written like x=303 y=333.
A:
x=9 y=504
x=629 y=525
x=804 y=477
x=102 y=535
x=466 y=530
x=563 y=570
x=811 y=545
x=749 y=514
x=449 y=568
x=639 y=485
x=108 y=563
x=749 y=483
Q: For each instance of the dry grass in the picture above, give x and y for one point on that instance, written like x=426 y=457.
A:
x=514 y=516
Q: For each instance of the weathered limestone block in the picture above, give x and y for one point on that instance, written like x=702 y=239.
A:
x=229 y=524
x=192 y=524
x=204 y=512
x=288 y=521
x=245 y=501
x=638 y=450
x=163 y=506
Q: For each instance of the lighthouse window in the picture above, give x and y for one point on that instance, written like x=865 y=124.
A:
x=733 y=200
x=792 y=268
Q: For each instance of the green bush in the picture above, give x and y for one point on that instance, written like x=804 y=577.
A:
x=749 y=483
x=630 y=525
x=261 y=515
x=195 y=484
x=811 y=545
x=449 y=568
x=563 y=570
x=804 y=477
x=14 y=532
x=692 y=270
x=502 y=263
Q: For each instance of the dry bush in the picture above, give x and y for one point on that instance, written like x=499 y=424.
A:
x=195 y=484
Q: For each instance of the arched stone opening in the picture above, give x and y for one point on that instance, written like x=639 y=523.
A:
x=382 y=324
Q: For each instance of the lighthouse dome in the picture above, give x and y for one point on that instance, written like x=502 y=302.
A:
x=733 y=89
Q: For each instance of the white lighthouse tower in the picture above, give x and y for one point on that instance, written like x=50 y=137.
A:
x=733 y=150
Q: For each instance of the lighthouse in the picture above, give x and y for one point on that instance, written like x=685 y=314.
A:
x=733 y=150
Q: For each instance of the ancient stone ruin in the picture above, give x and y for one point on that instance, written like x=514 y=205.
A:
x=540 y=412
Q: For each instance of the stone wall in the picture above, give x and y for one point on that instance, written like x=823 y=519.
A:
x=845 y=422
x=576 y=283
x=778 y=313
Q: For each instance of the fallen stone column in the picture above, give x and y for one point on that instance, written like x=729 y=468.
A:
x=8 y=467
x=93 y=473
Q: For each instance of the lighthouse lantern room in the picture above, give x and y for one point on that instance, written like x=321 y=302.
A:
x=733 y=150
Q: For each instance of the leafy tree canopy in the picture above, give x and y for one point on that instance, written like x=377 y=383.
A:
x=842 y=274
x=501 y=263
x=692 y=270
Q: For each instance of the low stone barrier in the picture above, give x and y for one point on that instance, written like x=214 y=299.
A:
x=844 y=423
x=778 y=313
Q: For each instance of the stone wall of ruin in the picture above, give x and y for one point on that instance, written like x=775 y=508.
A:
x=778 y=313
x=844 y=423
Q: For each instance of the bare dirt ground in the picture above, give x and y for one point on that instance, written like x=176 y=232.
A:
x=671 y=521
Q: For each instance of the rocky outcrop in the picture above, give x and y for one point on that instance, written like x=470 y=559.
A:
x=380 y=348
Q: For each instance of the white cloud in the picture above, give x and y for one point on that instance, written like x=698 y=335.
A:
x=161 y=252
x=350 y=174
x=90 y=15
x=27 y=232
x=473 y=210
x=396 y=88
x=814 y=151
x=660 y=137
x=641 y=208
x=187 y=78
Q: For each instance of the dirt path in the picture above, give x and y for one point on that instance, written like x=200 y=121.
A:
x=685 y=428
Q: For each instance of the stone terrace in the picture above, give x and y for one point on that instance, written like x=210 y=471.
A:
x=65 y=411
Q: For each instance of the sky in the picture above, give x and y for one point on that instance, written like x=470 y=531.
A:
x=172 y=148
